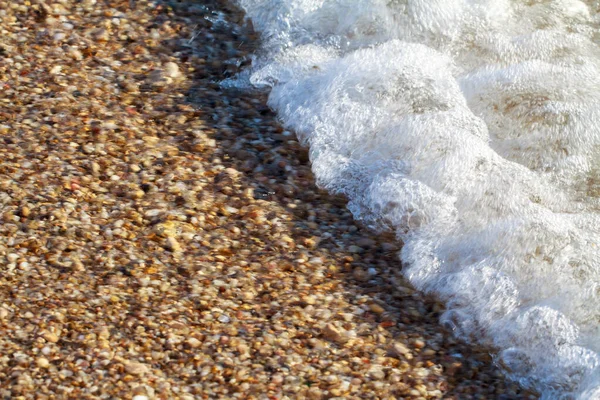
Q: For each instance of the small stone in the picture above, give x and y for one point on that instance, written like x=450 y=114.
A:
x=224 y=318
x=193 y=342
x=172 y=70
x=315 y=261
x=365 y=242
x=95 y=168
x=347 y=316
x=42 y=362
x=387 y=247
x=167 y=229
x=140 y=397
x=310 y=243
x=100 y=35
x=137 y=194
x=399 y=349
x=232 y=172
x=59 y=36
x=130 y=87
x=136 y=368
x=376 y=308
x=173 y=244
x=134 y=168
x=316 y=344
x=428 y=352
x=335 y=334
x=360 y=274
x=158 y=78
x=355 y=249
x=376 y=373
x=76 y=54
x=50 y=337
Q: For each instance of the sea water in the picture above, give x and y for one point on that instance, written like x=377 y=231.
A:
x=470 y=128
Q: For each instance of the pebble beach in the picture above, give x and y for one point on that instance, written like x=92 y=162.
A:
x=162 y=236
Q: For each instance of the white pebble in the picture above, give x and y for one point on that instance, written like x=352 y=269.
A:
x=172 y=70
x=224 y=318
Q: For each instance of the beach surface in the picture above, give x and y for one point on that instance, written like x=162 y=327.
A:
x=162 y=236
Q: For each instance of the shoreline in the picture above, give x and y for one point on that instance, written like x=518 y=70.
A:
x=162 y=236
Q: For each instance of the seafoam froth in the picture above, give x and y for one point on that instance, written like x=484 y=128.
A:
x=471 y=128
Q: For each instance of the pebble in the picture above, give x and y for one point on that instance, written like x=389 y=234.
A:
x=51 y=337
x=101 y=35
x=224 y=319
x=173 y=244
x=400 y=348
x=42 y=362
x=194 y=343
x=136 y=368
x=376 y=308
x=355 y=249
x=375 y=372
x=172 y=70
x=336 y=334
x=365 y=242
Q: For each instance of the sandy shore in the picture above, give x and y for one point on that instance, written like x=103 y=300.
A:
x=162 y=237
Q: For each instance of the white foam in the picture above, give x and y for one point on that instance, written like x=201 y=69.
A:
x=472 y=129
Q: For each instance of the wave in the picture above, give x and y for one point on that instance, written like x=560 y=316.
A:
x=471 y=128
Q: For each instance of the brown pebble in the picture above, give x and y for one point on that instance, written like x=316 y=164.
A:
x=173 y=244
x=50 y=337
x=136 y=368
x=42 y=362
x=400 y=349
x=376 y=308
x=335 y=334
x=194 y=343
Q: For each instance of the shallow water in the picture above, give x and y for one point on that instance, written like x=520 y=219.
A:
x=471 y=128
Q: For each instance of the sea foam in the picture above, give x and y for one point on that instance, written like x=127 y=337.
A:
x=471 y=128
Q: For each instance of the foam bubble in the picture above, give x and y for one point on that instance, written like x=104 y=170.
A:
x=470 y=128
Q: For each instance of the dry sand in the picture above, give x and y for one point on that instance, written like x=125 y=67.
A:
x=162 y=237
